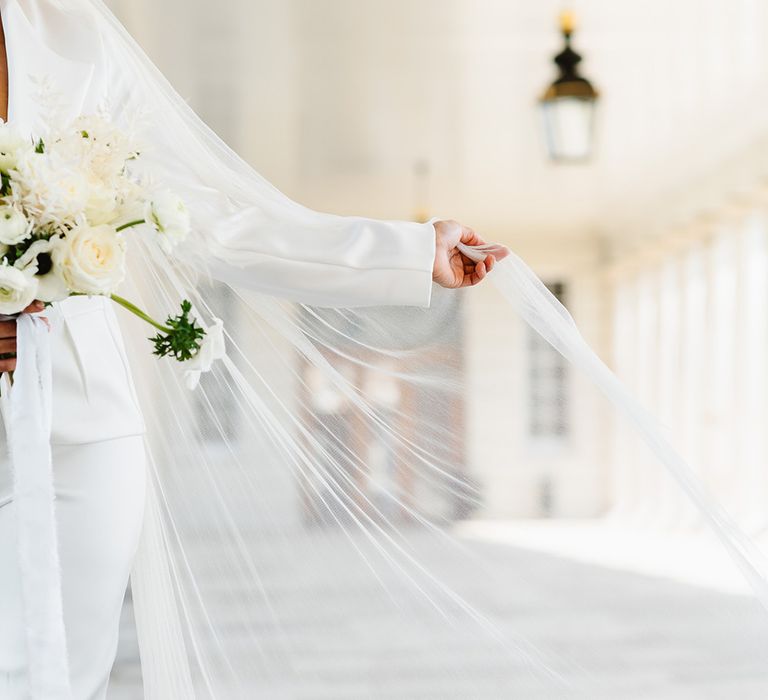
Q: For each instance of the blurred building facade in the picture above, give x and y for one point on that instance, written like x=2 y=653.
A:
x=659 y=247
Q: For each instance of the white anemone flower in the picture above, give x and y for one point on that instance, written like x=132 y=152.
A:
x=17 y=289
x=38 y=261
x=212 y=348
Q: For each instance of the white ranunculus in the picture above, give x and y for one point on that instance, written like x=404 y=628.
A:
x=50 y=285
x=132 y=202
x=91 y=259
x=14 y=226
x=211 y=348
x=101 y=207
x=17 y=290
x=11 y=144
x=170 y=218
x=98 y=144
x=68 y=194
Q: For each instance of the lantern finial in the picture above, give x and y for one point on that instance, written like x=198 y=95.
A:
x=567 y=22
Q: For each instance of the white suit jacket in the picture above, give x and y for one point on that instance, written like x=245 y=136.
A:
x=351 y=261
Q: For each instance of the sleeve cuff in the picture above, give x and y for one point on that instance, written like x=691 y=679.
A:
x=422 y=261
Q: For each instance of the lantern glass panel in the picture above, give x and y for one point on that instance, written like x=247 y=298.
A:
x=569 y=128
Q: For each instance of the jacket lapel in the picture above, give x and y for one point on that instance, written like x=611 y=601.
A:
x=44 y=84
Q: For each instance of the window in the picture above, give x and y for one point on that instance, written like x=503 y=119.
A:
x=547 y=385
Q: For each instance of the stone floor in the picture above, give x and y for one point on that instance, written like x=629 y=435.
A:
x=623 y=636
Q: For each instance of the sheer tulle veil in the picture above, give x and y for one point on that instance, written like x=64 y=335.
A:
x=306 y=493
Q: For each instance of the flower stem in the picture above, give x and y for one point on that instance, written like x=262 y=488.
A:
x=138 y=312
x=132 y=308
x=137 y=222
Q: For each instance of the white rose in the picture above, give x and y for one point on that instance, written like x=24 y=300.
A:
x=91 y=259
x=211 y=349
x=11 y=144
x=14 y=227
x=50 y=284
x=170 y=217
x=17 y=290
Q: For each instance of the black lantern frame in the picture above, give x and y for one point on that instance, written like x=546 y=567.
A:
x=568 y=107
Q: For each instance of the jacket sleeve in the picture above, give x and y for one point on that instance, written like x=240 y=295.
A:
x=322 y=259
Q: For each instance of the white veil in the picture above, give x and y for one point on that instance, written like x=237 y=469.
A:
x=298 y=539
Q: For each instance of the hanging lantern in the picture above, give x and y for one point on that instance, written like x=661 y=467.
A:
x=568 y=105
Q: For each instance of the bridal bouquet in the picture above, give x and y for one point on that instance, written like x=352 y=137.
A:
x=69 y=204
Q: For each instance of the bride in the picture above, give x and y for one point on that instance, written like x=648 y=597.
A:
x=259 y=241
x=287 y=525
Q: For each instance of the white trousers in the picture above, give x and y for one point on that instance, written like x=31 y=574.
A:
x=100 y=489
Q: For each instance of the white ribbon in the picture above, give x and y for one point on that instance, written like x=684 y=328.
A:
x=27 y=411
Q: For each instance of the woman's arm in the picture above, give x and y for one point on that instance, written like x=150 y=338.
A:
x=322 y=259
x=329 y=260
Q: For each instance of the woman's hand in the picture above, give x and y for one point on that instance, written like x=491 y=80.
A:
x=8 y=338
x=451 y=268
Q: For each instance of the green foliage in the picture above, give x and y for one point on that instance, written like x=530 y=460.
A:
x=182 y=340
x=40 y=146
